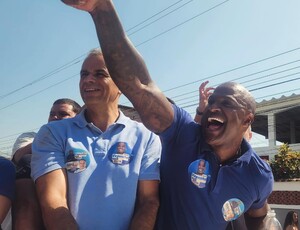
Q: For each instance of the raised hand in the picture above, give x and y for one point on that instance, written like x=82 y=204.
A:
x=86 y=5
x=204 y=93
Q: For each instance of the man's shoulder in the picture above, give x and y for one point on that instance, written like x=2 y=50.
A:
x=133 y=124
x=62 y=123
x=259 y=166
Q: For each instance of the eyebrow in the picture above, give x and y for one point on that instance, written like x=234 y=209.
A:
x=102 y=71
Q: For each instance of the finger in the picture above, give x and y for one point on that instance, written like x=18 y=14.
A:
x=203 y=85
x=209 y=89
x=74 y=2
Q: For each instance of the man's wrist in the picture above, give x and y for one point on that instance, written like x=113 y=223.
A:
x=198 y=112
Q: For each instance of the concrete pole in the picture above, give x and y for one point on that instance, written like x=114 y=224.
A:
x=272 y=129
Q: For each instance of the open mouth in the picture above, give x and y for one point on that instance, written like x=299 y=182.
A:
x=90 y=90
x=214 y=123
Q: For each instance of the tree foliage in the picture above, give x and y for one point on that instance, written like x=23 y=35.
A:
x=286 y=165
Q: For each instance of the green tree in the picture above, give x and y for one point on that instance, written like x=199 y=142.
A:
x=286 y=164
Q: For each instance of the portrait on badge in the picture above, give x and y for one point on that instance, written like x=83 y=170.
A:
x=122 y=154
x=199 y=171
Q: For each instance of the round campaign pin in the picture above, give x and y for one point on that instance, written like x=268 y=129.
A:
x=77 y=160
x=232 y=209
x=199 y=172
x=120 y=153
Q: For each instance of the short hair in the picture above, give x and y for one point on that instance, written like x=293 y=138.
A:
x=244 y=95
x=95 y=51
x=76 y=107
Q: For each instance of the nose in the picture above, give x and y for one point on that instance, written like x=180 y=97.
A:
x=89 y=78
x=214 y=107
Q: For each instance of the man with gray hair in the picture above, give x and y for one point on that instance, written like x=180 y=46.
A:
x=82 y=181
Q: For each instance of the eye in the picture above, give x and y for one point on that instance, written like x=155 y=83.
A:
x=227 y=104
x=84 y=74
x=64 y=115
x=101 y=73
x=211 y=100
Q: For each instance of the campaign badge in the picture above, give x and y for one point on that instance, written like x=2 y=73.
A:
x=120 y=153
x=199 y=172
x=233 y=209
x=77 y=160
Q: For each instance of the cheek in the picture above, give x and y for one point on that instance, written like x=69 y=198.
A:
x=236 y=117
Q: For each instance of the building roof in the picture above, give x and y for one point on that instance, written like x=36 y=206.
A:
x=287 y=117
x=130 y=112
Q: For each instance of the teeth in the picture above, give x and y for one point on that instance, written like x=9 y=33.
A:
x=211 y=119
x=90 y=90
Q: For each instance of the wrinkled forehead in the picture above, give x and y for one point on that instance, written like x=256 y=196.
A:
x=236 y=93
x=229 y=90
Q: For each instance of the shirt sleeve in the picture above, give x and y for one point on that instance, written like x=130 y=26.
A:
x=7 y=178
x=264 y=183
x=180 y=122
x=47 y=153
x=150 y=166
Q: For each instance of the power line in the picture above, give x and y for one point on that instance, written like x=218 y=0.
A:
x=79 y=59
x=154 y=15
x=242 y=77
x=180 y=24
x=274 y=79
x=163 y=16
x=279 y=83
x=38 y=92
x=248 y=75
x=57 y=70
x=234 y=69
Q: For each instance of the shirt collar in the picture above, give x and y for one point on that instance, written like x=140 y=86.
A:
x=81 y=121
x=246 y=151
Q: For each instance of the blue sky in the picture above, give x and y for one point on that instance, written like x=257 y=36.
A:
x=43 y=43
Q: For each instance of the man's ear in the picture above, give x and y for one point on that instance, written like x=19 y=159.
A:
x=249 y=119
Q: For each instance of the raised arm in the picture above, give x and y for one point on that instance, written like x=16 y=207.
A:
x=126 y=66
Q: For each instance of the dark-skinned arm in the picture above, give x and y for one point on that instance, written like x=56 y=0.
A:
x=147 y=204
x=255 y=219
x=126 y=66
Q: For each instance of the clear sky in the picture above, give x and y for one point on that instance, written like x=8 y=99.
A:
x=43 y=43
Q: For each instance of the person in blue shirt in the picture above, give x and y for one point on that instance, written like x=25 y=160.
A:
x=82 y=181
x=26 y=213
x=7 y=186
x=237 y=182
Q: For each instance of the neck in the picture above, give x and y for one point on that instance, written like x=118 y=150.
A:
x=102 y=116
x=228 y=152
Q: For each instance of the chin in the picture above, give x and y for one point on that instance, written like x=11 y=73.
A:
x=212 y=141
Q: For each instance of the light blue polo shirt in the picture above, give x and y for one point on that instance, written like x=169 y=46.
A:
x=102 y=182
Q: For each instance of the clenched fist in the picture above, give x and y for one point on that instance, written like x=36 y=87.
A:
x=86 y=5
